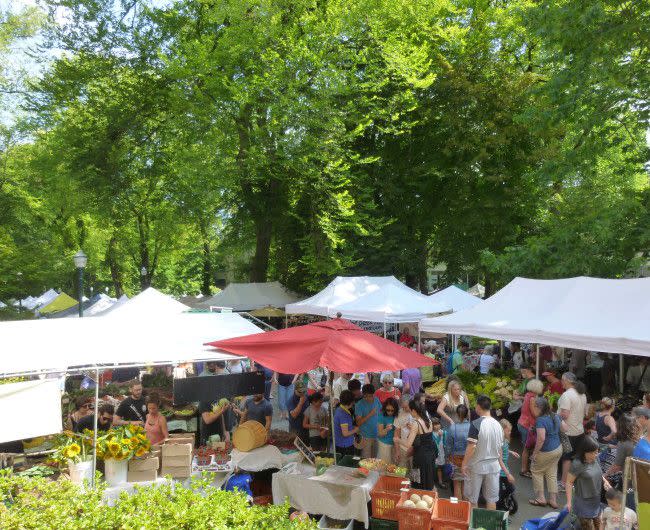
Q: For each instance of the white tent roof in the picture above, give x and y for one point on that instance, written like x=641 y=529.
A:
x=45 y=298
x=477 y=290
x=102 y=305
x=149 y=302
x=456 y=298
x=56 y=344
x=586 y=313
x=119 y=303
x=374 y=299
x=249 y=296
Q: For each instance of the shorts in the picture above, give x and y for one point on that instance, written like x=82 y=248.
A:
x=489 y=483
x=575 y=443
x=523 y=432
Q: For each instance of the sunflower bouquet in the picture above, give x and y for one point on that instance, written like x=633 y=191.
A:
x=73 y=447
x=123 y=443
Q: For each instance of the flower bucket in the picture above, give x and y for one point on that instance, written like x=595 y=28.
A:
x=115 y=471
x=81 y=471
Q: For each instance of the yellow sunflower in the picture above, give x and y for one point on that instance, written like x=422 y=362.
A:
x=114 y=448
x=74 y=449
x=134 y=442
x=141 y=452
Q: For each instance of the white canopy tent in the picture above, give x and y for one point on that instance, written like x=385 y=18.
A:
x=394 y=302
x=119 y=303
x=149 y=302
x=249 y=296
x=370 y=298
x=456 y=298
x=57 y=344
x=586 y=313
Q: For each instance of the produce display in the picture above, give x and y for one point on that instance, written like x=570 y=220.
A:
x=499 y=386
x=323 y=461
x=375 y=464
x=421 y=503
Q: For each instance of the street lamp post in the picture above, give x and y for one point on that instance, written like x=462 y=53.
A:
x=80 y=260
x=143 y=275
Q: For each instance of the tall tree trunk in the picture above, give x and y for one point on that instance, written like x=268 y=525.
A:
x=489 y=285
x=260 y=264
x=206 y=273
x=114 y=266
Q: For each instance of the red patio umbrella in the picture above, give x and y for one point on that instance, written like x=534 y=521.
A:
x=337 y=345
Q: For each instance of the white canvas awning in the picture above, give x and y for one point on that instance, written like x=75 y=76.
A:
x=54 y=345
x=373 y=299
x=249 y=296
x=456 y=298
x=585 y=313
x=149 y=302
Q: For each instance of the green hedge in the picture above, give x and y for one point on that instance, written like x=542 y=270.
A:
x=37 y=503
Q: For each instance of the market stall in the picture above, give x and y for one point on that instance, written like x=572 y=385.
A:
x=583 y=313
x=251 y=296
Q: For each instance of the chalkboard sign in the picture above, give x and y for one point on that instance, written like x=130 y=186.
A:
x=214 y=387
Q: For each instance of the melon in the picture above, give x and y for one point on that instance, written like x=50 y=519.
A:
x=427 y=499
x=415 y=498
x=409 y=504
x=422 y=505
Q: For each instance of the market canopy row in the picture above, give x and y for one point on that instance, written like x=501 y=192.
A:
x=586 y=313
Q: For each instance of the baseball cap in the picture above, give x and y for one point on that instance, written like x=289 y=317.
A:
x=548 y=372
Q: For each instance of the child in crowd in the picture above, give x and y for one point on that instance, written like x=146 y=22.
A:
x=590 y=429
x=386 y=430
x=439 y=439
x=611 y=518
x=507 y=500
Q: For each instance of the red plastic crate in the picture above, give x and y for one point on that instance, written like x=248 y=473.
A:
x=415 y=518
x=263 y=500
x=384 y=496
x=449 y=515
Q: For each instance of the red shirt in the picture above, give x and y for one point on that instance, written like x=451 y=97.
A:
x=556 y=387
x=382 y=395
x=409 y=340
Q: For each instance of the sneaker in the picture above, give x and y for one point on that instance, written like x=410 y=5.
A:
x=561 y=487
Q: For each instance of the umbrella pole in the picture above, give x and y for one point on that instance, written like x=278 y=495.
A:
x=384 y=329
x=332 y=415
x=502 y=350
x=537 y=364
x=419 y=338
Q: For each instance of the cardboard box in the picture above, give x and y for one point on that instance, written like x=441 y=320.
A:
x=173 y=461
x=176 y=471
x=142 y=476
x=181 y=440
x=143 y=464
x=176 y=450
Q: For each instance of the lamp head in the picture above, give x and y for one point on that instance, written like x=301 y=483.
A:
x=80 y=259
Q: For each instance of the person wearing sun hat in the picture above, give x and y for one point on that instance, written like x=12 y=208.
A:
x=554 y=382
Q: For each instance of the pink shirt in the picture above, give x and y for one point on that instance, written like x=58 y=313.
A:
x=527 y=419
x=154 y=432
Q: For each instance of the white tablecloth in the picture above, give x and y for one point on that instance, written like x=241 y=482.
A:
x=265 y=457
x=335 y=494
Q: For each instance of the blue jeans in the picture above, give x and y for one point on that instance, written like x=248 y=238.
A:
x=284 y=393
x=523 y=433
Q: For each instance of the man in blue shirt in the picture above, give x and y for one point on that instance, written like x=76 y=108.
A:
x=366 y=412
x=642 y=449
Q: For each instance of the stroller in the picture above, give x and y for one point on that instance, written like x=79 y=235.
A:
x=507 y=501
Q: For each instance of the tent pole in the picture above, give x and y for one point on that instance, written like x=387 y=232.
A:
x=621 y=374
x=332 y=415
x=92 y=483
x=502 y=349
x=384 y=329
x=537 y=364
x=419 y=339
